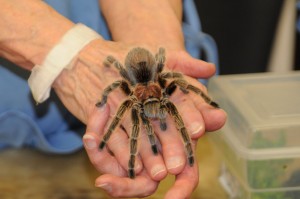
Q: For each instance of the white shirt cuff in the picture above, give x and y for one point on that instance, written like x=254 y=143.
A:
x=60 y=56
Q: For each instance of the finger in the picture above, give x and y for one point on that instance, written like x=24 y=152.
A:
x=172 y=142
x=118 y=144
x=102 y=160
x=194 y=123
x=171 y=145
x=183 y=62
x=185 y=183
x=191 y=116
x=153 y=163
x=141 y=186
x=98 y=119
x=214 y=118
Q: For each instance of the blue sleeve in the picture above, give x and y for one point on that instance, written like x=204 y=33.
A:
x=47 y=127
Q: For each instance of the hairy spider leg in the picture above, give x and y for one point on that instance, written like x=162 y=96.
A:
x=133 y=140
x=170 y=89
x=160 y=59
x=120 y=113
x=186 y=87
x=150 y=133
x=120 y=83
x=110 y=60
x=166 y=92
x=168 y=75
x=172 y=110
x=205 y=97
x=162 y=120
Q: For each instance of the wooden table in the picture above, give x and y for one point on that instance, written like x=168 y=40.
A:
x=29 y=174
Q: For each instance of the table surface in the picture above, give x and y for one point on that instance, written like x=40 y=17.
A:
x=27 y=173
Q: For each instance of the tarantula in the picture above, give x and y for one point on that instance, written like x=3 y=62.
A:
x=148 y=91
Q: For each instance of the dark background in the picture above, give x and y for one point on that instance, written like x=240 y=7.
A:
x=243 y=30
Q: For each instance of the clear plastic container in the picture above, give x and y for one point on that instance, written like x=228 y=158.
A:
x=260 y=143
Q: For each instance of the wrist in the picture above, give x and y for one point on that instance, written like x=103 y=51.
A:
x=79 y=87
x=59 y=58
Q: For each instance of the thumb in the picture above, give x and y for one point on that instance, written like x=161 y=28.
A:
x=185 y=63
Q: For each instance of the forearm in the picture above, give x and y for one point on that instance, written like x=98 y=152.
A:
x=177 y=8
x=29 y=29
x=142 y=21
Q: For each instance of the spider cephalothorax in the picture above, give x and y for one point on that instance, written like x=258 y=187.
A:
x=145 y=83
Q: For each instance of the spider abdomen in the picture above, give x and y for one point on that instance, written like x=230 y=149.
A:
x=140 y=64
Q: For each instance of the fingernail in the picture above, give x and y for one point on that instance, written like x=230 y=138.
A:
x=157 y=169
x=102 y=108
x=104 y=186
x=138 y=167
x=89 y=141
x=196 y=127
x=174 y=162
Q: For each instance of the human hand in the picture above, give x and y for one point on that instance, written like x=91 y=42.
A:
x=172 y=158
x=114 y=182
x=186 y=176
x=141 y=186
x=163 y=29
x=81 y=94
x=114 y=178
x=82 y=104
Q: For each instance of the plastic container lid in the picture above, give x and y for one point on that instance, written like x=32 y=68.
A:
x=263 y=113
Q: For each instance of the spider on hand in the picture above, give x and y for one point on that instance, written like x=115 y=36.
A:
x=145 y=84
